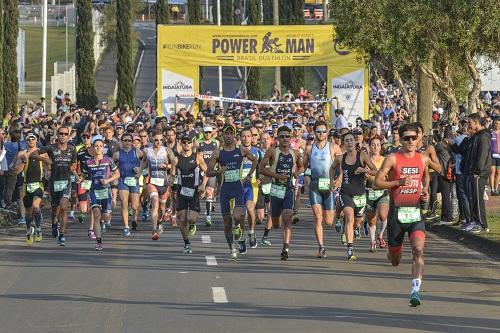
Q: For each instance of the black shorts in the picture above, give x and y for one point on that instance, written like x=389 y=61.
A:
x=29 y=197
x=346 y=200
x=262 y=200
x=56 y=197
x=495 y=162
x=396 y=230
x=191 y=203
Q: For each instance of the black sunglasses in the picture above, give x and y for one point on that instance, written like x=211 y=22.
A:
x=410 y=137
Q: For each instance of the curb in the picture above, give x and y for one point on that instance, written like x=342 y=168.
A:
x=484 y=245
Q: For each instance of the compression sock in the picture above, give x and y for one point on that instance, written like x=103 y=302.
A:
x=373 y=231
x=415 y=285
x=266 y=232
x=208 y=205
x=38 y=217
x=383 y=226
x=186 y=242
x=98 y=240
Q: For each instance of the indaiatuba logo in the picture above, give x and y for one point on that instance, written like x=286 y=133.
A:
x=179 y=85
x=348 y=85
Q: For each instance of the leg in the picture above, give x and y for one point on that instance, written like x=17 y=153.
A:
x=182 y=215
x=63 y=214
x=124 y=195
x=318 y=223
x=96 y=216
x=155 y=206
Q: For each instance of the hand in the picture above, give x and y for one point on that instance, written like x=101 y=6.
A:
x=405 y=181
x=201 y=190
x=282 y=177
x=359 y=170
x=247 y=179
x=162 y=166
x=222 y=170
x=424 y=196
x=104 y=181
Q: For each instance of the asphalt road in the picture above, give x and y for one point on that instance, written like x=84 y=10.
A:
x=138 y=285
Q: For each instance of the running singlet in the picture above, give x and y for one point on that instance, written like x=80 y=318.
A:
x=320 y=162
x=352 y=184
x=207 y=149
x=127 y=161
x=110 y=147
x=407 y=196
x=97 y=170
x=33 y=171
x=284 y=164
x=158 y=175
x=188 y=171
x=83 y=156
x=232 y=161
x=61 y=161
x=247 y=165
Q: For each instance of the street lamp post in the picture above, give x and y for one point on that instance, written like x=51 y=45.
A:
x=220 y=67
x=44 y=49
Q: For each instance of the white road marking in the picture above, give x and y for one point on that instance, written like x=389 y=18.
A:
x=211 y=261
x=183 y=272
x=219 y=295
x=206 y=239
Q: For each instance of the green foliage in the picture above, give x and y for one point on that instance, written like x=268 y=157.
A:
x=254 y=12
x=10 y=33
x=226 y=10
x=1 y=57
x=267 y=11
x=254 y=78
x=194 y=12
x=162 y=14
x=124 y=66
x=85 y=88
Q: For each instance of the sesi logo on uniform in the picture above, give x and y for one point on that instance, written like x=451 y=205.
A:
x=410 y=171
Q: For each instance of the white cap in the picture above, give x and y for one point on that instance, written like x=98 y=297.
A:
x=208 y=129
x=97 y=138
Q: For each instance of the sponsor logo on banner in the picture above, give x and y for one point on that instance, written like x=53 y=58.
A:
x=174 y=84
x=349 y=90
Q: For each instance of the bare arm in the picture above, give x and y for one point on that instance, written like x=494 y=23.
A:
x=368 y=162
x=300 y=164
x=381 y=182
x=433 y=160
x=211 y=165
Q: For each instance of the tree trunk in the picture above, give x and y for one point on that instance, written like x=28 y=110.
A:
x=473 y=96
x=424 y=99
x=2 y=114
x=10 y=79
x=124 y=65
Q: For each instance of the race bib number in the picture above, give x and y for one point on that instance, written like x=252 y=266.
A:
x=130 y=181
x=266 y=189
x=374 y=195
x=245 y=172
x=324 y=184
x=101 y=194
x=158 y=181
x=359 y=201
x=60 y=185
x=232 y=175
x=86 y=184
x=278 y=191
x=32 y=187
x=187 y=192
x=409 y=214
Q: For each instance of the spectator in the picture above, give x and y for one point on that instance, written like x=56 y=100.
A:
x=341 y=121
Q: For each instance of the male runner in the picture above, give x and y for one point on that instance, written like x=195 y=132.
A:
x=405 y=174
x=207 y=147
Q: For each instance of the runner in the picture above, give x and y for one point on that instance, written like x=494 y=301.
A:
x=111 y=146
x=299 y=144
x=207 y=147
x=377 y=201
x=264 y=198
x=320 y=157
x=158 y=159
x=191 y=186
x=31 y=162
x=84 y=153
x=129 y=160
x=405 y=174
x=352 y=197
x=285 y=164
x=230 y=158
x=63 y=157
x=101 y=171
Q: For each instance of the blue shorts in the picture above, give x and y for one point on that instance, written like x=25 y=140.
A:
x=251 y=192
x=228 y=191
x=131 y=189
x=103 y=204
x=323 y=198
x=279 y=205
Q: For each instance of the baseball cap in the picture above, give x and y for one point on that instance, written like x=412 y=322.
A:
x=208 y=128
x=228 y=127
x=357 y=130
x=97 y=138
x=31 y=135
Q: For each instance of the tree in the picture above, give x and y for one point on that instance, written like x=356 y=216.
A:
x=194 y=11
x=226 y=11
x=10 y=33
x=254 y=73
x=1 y=57
x=85 y=63
x=124 y=66
x=267 y=11
x=440 y=38
x=162 y=14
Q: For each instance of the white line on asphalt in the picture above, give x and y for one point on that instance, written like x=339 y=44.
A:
x=219 y=295
x=206 y=239
x=183 y=272
x=211 y=261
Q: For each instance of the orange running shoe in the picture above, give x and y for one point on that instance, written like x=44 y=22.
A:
x=155 y=235
x=381 y=242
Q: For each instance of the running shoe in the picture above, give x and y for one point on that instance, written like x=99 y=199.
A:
x=22 y=221
x=381 y=242
x=284 y=254
x=295 y=219
x=338 y=225
x=350 y=255
x=479 y=229
x=71 y=215
x=233 y=255
x=237 y=232
x=91 y=235
x=470 y=226
x=343 y=239
x=252 y=240
x=192 y=229
x=155 y=235
x=321 y=253
x=357 y=232
x=55 y=230
x=208 y=221
x=187 y=249
x=98 y=247
x=80 y=218
x=373 y=246
x=61 y=240
x=242 y=246
x=126 y=232
x=134 y=225
x=365 y=228
x=38 y=235
x=103 y=227
x=29 y=236
x=414 y=299
x=430 y=216
x=265 y=242
x=445 y=223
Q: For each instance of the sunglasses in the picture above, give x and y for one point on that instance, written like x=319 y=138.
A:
x=185 y=142
x=410 y=137
x=256 y=135
x=127 y=140
x=86 y=136
x=321 y=131
x=158 y=140
x=287 y=136
x=63 y=133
